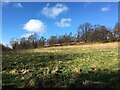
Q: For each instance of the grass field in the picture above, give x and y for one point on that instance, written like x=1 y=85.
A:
x=92 y=65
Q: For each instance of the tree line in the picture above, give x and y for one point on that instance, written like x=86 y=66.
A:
x=85 y=33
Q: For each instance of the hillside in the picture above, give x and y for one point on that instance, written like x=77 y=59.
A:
x=92 y=66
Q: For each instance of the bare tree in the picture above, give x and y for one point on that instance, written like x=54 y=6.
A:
x=85 y=29
x=117 y=30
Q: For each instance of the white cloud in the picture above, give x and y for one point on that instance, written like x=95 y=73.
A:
x=18 y=5
x=27 y=35
x=106 y=8
x=64 y=22
x=52 y=12
x=34 y=25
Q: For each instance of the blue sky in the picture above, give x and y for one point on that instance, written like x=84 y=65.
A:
x=21 y=19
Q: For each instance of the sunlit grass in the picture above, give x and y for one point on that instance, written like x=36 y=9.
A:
x=65 y=66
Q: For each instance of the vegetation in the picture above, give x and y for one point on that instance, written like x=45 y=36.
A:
x=4 y=48
x=83 y=66
x=81 y=60
x=86 y=33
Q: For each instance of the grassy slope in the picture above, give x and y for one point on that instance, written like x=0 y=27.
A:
x=94 y=65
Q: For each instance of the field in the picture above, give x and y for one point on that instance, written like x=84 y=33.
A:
x=91 y=66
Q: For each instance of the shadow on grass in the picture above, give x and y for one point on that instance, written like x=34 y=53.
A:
x=36 y=63
x=38 y=77
x=35 y=60
x=97 y=79
x=93 y=79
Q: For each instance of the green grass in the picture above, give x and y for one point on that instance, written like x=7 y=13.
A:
x=61 y=67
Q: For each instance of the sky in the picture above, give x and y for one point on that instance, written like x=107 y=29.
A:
x=21 y=19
